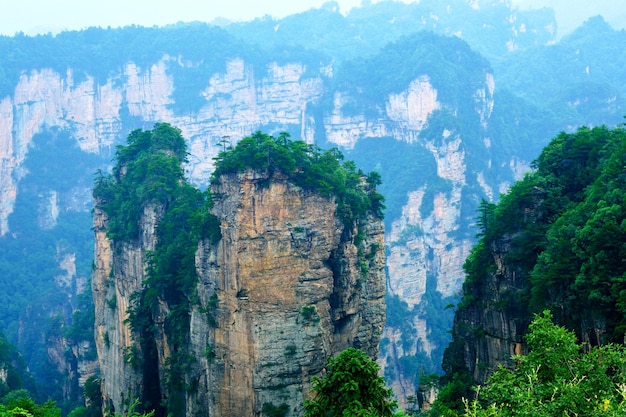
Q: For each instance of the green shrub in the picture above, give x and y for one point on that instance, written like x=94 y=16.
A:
x=308 y=167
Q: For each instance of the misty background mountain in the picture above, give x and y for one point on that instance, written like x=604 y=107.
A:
x=449 y=102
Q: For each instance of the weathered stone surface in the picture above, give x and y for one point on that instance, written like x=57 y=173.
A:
x=405 y=115
x=489 y=334
x=291 y=291
x=425 y=244
x=238 y=102
x=119 y=273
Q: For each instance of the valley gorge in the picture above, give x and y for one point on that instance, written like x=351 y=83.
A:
x=280 y=284
x=448 y=115
x=292 y=95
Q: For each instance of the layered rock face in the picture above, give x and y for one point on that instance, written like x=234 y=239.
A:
x=240 y=101
x=284 y=288
x=487 y=334
x=491 y=321
x=433 y=243
x=237 y=103
x=119 y=273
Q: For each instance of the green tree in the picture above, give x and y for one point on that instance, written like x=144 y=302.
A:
x=19 y=403
x=558 y=234
x=351 y=387
x=558 y=377
x=149 y=172
x=309 y=167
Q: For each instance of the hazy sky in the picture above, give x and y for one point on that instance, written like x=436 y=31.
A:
x=37 y=16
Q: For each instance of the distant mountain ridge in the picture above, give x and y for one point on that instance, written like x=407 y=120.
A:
x=444 y=125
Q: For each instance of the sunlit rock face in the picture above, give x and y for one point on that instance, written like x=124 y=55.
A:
x=290 y=289
x=236 y=102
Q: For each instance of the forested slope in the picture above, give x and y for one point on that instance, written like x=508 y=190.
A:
x=554 y=242
x=443 y=99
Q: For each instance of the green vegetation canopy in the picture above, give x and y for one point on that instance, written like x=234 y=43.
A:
x=351 y=387
x=308 y=167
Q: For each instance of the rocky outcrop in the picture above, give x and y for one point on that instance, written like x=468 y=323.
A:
x=488 y=333
x=239 y=100
x=285 y=287
x=237 y=104
x=119 y=273
x=494 y=314
x=404 y=116
x=430 y=239
x=246 y=92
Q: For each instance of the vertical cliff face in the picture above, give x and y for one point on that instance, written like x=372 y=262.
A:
x=120 y=270
x=237 y=103
x=539 y=250
x=434 y=250
x=429 y=239
x=284 y=288
x=489 y=332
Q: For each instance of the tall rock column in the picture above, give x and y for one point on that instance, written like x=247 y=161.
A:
x=287 y=285
x=119 y=273
x=292 y=287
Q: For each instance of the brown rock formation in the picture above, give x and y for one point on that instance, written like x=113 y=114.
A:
x=238 y=102
x=119 y=272
x=286 y=285
x=489 y=332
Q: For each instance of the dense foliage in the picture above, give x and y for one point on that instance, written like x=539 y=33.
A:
x=581 y=274
x=149 y=174
x=565 y=68
x=540 y=89
x=14 y=368
x=566 y=221
x=564 y=226
x=452 y=67
x=308 y=167
x=350 y=387
x=20 y=404
x=558 y=377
